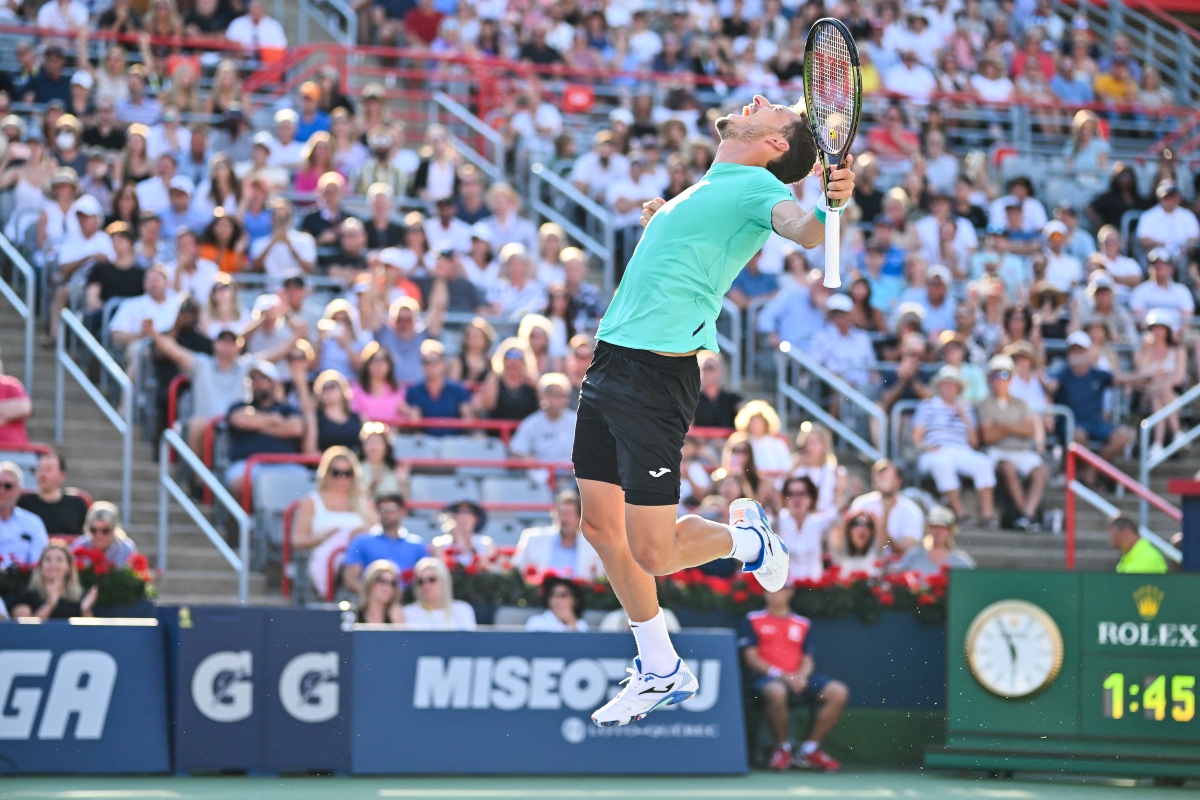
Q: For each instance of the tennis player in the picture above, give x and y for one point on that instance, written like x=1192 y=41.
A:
x=640 y=392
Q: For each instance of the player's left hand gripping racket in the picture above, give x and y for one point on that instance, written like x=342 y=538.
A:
x=833 y=95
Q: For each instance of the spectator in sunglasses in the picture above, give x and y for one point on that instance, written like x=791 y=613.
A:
x=1014 y=439
x=22 y=533
x=103 y=532
x=435 y=608
x=379 y=597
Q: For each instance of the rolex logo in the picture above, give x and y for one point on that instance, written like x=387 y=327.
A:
x=1148 y=599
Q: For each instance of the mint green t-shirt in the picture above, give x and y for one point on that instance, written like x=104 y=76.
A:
x=689 y=254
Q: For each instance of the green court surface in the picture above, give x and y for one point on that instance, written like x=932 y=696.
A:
x=926 y=786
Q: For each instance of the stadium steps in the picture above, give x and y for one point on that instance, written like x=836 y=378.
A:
x=197 y=573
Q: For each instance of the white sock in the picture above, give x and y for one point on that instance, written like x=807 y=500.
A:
x=809 y=747
x=654 y=645
x=747 y=545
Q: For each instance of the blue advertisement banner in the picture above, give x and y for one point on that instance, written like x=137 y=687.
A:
x=83 y=699
x=262 y=689
x=498 y=702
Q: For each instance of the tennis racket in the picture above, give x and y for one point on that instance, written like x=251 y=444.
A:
x=833 y=96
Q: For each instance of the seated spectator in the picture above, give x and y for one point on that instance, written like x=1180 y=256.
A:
x=1169 y=225
x=123 y=276
x=559 y=547
x=1015 y=440
x=1080 y=386
x=379 y=595
x=387 y=540
x=285 y=251
x=1063 y=270
x=564 y=608
x=448 y=278
x=339 y=339
x=1101 y=292
x=804 y=530
x=937 y=552
x=845 y=350
x=61 y=510
x=901 y=521
x=262 y=425
x=377 y=395
x=22 y=533
x=435 y=397
x=1138 y=555
x=781 y=671
x=218 y=381
x=54 y=591
x=510 y=392
x=103 y=532
x=718 y=406
x=516 y=292
x=1162 y=291
x=382 y=231
x=953 y=350
x=398 y=331
x=256 y=32
x=794 y=315
x=147 y=314
x=461 y=539
x=759 y=425
x=435 y=608
x=694 y=468
x=855 y=549
x=945 y=431
x=473 y=364
x=752 y=283
x=816 y=460
x=329 y=420
x=15 y=408
x=1161 y=368
x=906 y=381
x=549 y=433
x=382 y=474
x=329 y=518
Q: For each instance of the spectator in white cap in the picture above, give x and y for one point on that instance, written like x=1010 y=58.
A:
x=445 y=226
x=1168 y=224
x=179 y=213
x=1015 y=439
x=480 y=263
x=1101 y=297
x=1081 y=386
x=269 y=331
x=286 y=250
x=1063 y=270
x=930 y=288
x=938 y=549
x=286 y=150
x=1161 y=366
x=845 y=350
x=945 y=432
x=1161 y=290
x=516 y=293
x=81 y=94
x=262 y=423
x=78 y=252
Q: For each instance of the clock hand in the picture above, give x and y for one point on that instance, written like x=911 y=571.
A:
x=1012 y=648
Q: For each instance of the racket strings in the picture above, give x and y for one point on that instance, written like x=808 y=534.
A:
x=832 y=110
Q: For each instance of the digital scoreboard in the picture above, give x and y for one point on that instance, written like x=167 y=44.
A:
x=1059 y=671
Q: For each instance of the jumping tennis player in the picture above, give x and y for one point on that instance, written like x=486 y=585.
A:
x=640 y=392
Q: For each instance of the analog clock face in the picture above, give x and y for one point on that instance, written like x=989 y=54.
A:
x=1014 y=648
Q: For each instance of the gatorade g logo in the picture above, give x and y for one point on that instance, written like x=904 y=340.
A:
x=81 y=687
x=308 y=687
x=221 y=686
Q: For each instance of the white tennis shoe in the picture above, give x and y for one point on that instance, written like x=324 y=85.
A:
x=644 y=692
x=771 y=568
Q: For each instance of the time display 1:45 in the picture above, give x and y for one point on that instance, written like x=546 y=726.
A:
x=1156 y=697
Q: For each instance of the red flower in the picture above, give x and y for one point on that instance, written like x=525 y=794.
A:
x=139 y=563
x=100 y=568
x=886 y=598
x=925 y=600
x=740 y=596
x=599 y=588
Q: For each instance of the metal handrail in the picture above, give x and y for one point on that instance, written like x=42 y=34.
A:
x=604 y=250
x=1075 y=487
x=172 y=442
x=26 y=307
x=1147 y=462
x=308 y=9
x=785 y=392
x=121 y=420
x=495 y=167
x=732 y=344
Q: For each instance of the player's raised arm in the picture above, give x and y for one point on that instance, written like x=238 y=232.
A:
x=806 y=228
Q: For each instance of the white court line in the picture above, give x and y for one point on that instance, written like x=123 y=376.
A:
x=798 y=791
x=108 y=794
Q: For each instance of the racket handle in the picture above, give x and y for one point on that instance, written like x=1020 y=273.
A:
x=833 y=250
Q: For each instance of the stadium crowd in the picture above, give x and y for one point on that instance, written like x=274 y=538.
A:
x=323 y=283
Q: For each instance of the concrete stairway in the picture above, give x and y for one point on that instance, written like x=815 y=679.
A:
x=196 y=571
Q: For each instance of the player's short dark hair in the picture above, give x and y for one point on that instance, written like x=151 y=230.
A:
x=796 y=163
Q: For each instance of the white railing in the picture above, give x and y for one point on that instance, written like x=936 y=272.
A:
x=336 y=17
x=1148 y=462
x=172 y=442
x=562 y=200
x=25 y=307
x=789 y=357
x=493 y=167
x=121 y=420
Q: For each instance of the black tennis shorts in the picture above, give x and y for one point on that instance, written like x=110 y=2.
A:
x=635 y=408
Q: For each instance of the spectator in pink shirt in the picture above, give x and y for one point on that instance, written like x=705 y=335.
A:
x=377 y=396
x=15 y=408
